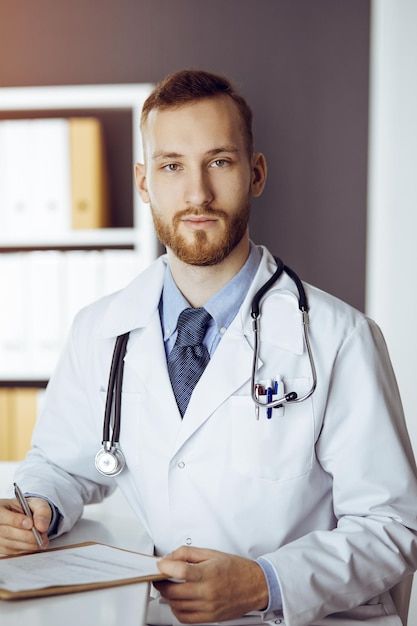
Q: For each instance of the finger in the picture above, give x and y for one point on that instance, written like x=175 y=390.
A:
x=176 y=590
x=185 y=601
x=15 y=529
x=191 y=611
x=42 y=513
x=178 y=570
x=181 y=564
x=14 y=540
x=11 y=514
x=191 y=554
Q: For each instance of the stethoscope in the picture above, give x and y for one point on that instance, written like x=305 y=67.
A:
x=110 y=460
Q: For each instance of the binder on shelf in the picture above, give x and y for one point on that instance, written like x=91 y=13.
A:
x=51 y=194
x=24 y=402
x=90 y=196
x=3 y=178
x=82 y=281
x=35 y=181
x=4 y=425
x=18 y=412
x=18 y=178
x=13 y=314
x=45 y=310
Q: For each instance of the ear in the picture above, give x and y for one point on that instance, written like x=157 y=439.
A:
x=259 y=171
x=141 y=186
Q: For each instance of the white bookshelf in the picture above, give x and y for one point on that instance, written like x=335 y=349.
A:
x=88 y=97
x=138 y=240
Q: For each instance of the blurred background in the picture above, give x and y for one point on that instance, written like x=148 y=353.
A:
x=333 y=87
x=302 y=64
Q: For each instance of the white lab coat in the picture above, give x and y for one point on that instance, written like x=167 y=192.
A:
x=327 y=491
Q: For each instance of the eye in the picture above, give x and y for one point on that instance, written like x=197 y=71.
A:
x=220 y=163
x=171 y=167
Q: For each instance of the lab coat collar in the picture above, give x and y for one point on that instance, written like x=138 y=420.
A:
x=133 y=306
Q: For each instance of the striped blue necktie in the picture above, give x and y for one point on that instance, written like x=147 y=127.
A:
x=189 y=357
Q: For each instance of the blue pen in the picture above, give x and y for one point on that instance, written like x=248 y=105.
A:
x=269 y=392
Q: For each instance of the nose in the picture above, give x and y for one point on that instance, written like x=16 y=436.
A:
x=198 y=191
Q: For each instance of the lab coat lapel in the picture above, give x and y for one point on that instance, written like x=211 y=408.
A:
x=228 y=369
x=135 y=310
x=150 y=376
x=231 y=365
x=146 y=358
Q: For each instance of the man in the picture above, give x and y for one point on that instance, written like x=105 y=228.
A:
x=309 y=516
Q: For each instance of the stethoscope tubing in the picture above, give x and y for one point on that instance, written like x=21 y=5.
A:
x=115 y=388
x=290 y=397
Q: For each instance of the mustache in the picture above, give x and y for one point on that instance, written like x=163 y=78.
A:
x=199 y=211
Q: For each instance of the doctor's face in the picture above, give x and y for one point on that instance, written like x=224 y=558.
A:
x=199 y=178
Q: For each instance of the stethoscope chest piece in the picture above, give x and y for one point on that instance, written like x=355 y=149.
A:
x=110 y=462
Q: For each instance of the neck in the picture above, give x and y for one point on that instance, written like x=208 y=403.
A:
x=200 y=283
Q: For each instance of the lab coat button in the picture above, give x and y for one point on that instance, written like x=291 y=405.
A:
x=188 y=541
x=181 y=464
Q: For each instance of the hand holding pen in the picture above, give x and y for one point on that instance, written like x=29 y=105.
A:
x=27 y=511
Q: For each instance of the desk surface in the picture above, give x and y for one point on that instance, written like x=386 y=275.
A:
x=105 y=607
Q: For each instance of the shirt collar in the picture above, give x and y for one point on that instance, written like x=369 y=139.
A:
x=223 y=306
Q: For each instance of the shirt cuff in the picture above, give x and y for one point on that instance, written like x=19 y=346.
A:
x=274 y=588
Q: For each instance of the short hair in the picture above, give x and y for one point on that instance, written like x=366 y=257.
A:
x=187 y=86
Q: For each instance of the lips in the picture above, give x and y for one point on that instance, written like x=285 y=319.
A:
x=198 y=219
x=195 y=218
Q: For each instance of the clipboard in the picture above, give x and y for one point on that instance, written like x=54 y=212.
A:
x=51 y=590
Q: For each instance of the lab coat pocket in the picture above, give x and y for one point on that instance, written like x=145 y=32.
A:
x=276 y=449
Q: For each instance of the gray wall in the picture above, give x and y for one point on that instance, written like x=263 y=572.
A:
x=303 y=64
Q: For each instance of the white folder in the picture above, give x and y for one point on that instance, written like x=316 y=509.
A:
x=45 y=311
x=52 y=191
x=83 y=281
x=14 y=329
x=18 y=177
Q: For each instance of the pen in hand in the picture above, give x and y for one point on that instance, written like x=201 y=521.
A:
x=23 y=503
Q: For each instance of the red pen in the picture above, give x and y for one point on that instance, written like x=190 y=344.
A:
x=259 y=391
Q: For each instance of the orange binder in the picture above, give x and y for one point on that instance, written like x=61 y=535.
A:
x=18 y=411
x=89 y=178
x=24 y=403
x=4 y=425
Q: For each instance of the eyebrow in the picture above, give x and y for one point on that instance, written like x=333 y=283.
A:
x=162 y=154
